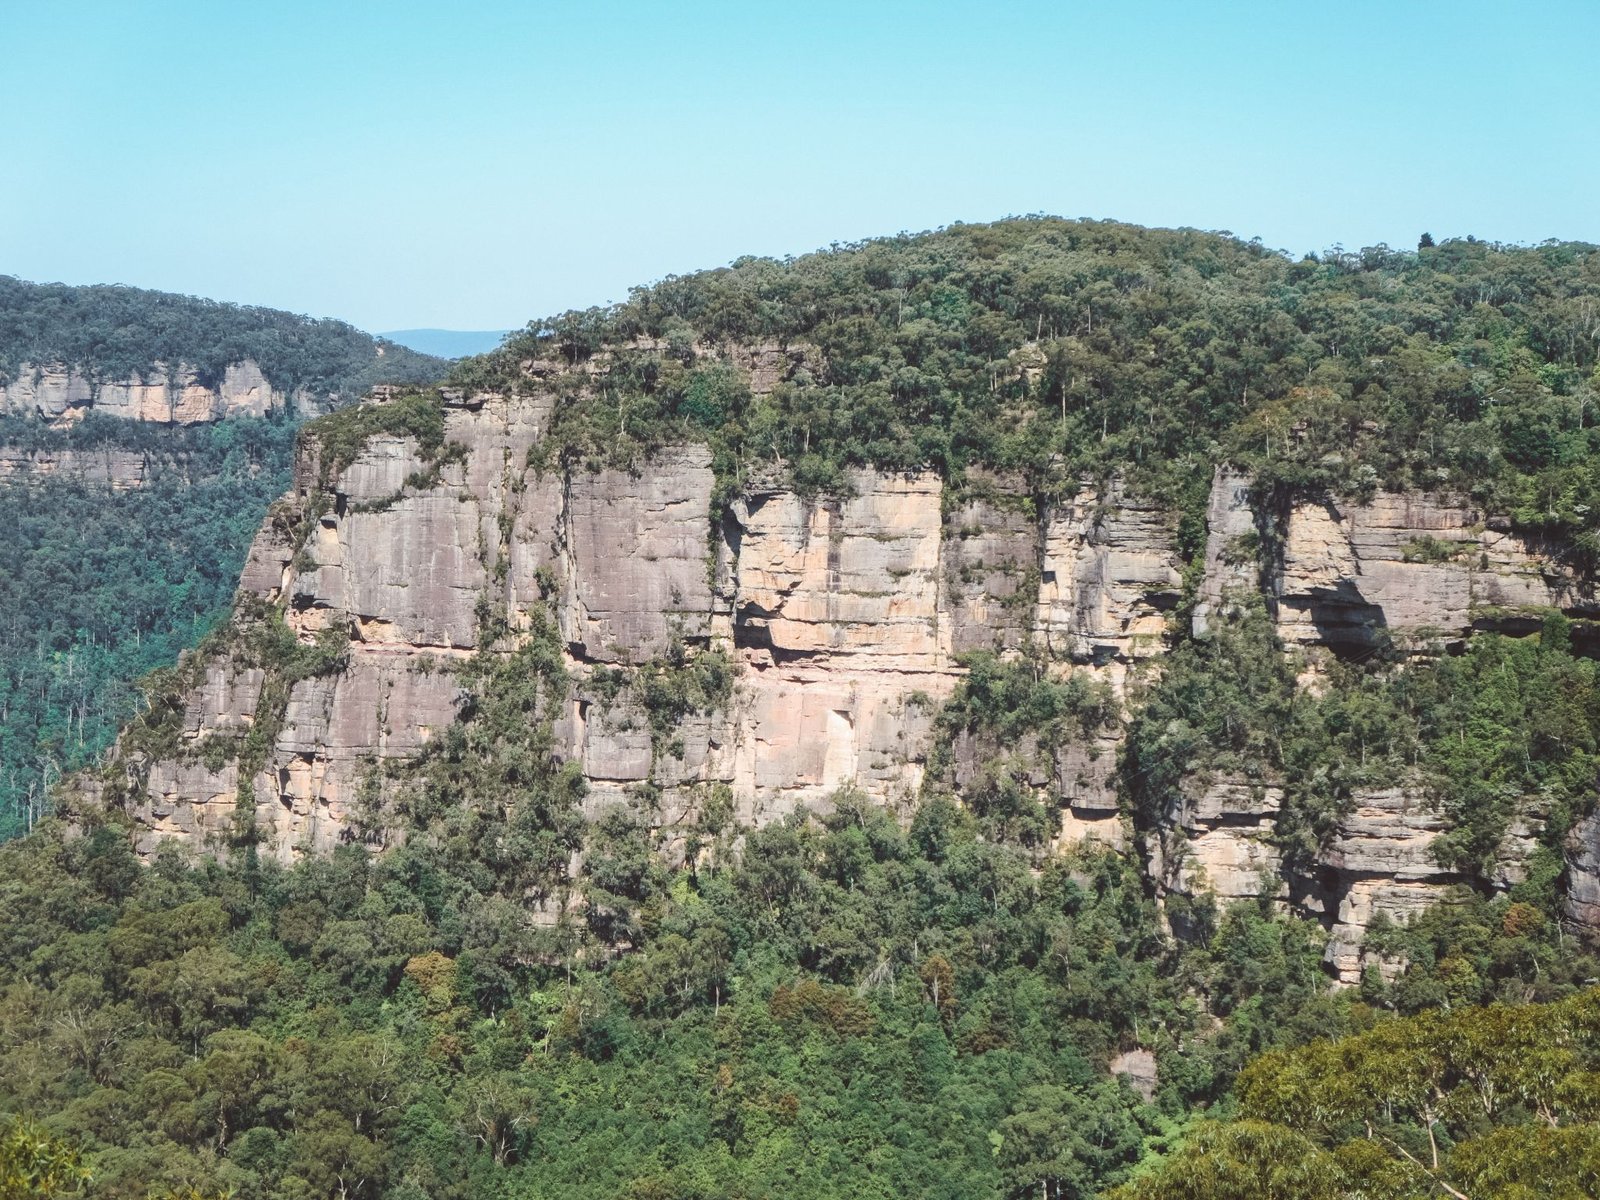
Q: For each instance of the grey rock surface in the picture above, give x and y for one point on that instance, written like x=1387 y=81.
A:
x=845 y=618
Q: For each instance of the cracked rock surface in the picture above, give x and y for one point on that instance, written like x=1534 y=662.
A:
x=846 y=618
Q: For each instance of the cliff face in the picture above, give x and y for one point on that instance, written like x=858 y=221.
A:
x=120 y=469
x=1410 y=564
x=167 y=395
x=59 y=395
x=1341 y=575
x=1344 y=578
x=845 y=617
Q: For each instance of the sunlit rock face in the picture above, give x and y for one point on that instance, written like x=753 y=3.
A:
x=1109 y=574
x=167 y=395
x=1583 y=872
x=1411 y=565
x=62 y=396
x=846 y=618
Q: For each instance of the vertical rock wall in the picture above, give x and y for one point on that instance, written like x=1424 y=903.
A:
x=846 y=618
x=166 y=395
x=839 y=625
x=1420 y=565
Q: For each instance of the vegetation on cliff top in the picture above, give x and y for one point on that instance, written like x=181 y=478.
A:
x=113 y=332
x=1065 y=348
x=340 y=436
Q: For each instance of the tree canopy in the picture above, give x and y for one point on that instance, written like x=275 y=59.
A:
x=1064 y=348
x=112 y=332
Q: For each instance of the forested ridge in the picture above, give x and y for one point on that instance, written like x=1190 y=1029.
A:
x=511 y=1001
x=1064 y=349
x=113 y=332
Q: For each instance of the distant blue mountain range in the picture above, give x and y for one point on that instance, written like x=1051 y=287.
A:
x=448 y=343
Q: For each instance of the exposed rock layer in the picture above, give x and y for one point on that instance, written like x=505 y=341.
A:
x=166 y=395
x=1409 y=564
x=120 y=469
x=846 y=617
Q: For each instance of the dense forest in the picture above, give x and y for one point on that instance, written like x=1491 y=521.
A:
x=111 y=332
x=836 y=1007
x=866 y=1004
x=103 y=586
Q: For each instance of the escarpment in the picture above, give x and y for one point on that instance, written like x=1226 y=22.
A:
x=54 y=400
x=846 y=617
x=118 y=468
x=848 y=620
x=165 y=394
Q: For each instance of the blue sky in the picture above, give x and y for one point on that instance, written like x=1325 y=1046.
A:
x=475 y=164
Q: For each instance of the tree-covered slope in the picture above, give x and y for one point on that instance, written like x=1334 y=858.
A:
x=111 y=332
x=844 y=1008
x=1496 y=1102
x=448 y=343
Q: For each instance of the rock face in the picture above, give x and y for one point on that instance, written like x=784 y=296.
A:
x=1408 y=564
x=989 y=550
x=838 y=620
x=1226 y=844
x=337 y=732
x=1415 y=568
x=1108 y=576
x=1221 y=840
x=1583 y=872
x=167 y=395
x=1232 y=540
x=634 y=556
x=845 y=618
x=1138 y=1067
x=1381 y=861
x=1348 y=574
x=402 y=568
x=119 y=469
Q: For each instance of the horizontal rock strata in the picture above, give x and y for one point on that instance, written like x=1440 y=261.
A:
x=846 y=618
x=168 y=396
x=121 y=470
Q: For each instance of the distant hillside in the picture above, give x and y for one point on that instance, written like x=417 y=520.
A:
x=109 y=333
x=448 y=343
x=126 y=503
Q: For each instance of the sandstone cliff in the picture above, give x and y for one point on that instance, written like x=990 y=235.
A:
x=846 y=617
x=165 y=395
x=118 y=468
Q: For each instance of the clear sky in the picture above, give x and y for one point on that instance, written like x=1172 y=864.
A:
x=476 y=163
